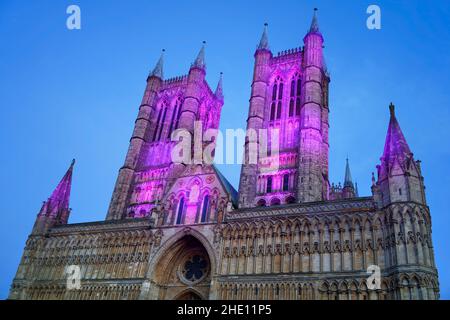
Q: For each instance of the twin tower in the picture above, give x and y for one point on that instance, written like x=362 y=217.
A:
x=289 y=95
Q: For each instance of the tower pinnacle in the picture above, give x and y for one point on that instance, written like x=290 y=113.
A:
x=314 y=24
x=158 y=70
x=200 y=60
x=396 y=145
x=348 y=176
x=392 y=109
x=56 y=210
x=264 y=42
x=219 y=89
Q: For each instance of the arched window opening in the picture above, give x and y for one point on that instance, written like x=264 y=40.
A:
x=275 y=202
x=295 y=96
x=157 y=123
x=175 y=118
x=280 y=92
x=161 y=125
x=277 y=97
x=180 y=211
x=269 y=185
x=297 y=107
x=261 y=203
x=291 y=108
x=205 y=208
x=286 y=182
x=272 y=112
x=293 y=88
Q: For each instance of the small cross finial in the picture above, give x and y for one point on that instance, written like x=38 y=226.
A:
x=73 y=162
x=266 y=24
x=392 y=109
x=315 y=9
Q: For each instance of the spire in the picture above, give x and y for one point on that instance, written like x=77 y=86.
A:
x=348 y=176
x=314 y=24
x=200 y=60
x=396 y=145
x=219 y=89
x=158 y=70
x=264 y=42
x=59 y=200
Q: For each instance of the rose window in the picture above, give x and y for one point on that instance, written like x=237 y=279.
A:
x=195 y=268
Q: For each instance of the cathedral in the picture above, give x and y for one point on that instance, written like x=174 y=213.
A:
x=178 y=230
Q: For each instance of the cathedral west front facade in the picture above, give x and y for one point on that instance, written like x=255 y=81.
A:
x=181 y=231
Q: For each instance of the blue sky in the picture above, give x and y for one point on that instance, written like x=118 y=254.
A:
x=75 y=94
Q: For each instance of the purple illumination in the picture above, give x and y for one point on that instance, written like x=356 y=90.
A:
x=179 y=103
x=395 y=149
x=59 y=200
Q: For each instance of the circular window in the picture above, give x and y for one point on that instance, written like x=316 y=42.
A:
x=195 y=268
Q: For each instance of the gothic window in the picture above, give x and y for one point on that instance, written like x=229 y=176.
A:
x=274 y=92
x=279 y=110
x=272 y=112
x=286 y=182
x=296 y=86
x=195 y=268
x=205 y=208
x=157 y=123
x=180 y=211
x=277 y=97
x=161 y=125
x=175 y=117
x=269 y=185
x=160 y=122
x=291 y=108
x=280 y=92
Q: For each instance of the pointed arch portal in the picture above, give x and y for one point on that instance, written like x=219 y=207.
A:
x=183 y=271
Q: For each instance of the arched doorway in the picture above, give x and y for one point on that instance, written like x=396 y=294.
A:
x=188 y=295
x=183 y=271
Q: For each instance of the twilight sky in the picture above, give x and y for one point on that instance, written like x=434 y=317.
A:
x=75 y=94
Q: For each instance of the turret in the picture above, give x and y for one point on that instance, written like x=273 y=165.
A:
x=399 y=175
x=140 y=136
x=196 y=79
x=349 y=188
x=255 y=120
x=219 y=89
x=55 y=211
x=313 y=165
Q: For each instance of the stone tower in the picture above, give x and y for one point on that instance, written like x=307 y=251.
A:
x=289 y=106
x=168 y=107
x=399 y=175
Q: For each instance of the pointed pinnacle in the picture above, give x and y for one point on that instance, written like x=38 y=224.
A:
x=158 y=70
x=200 y=60
x=314 y=24
x=264 y=42
x=348 y=176
x=392 y=109
x=219 y=89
